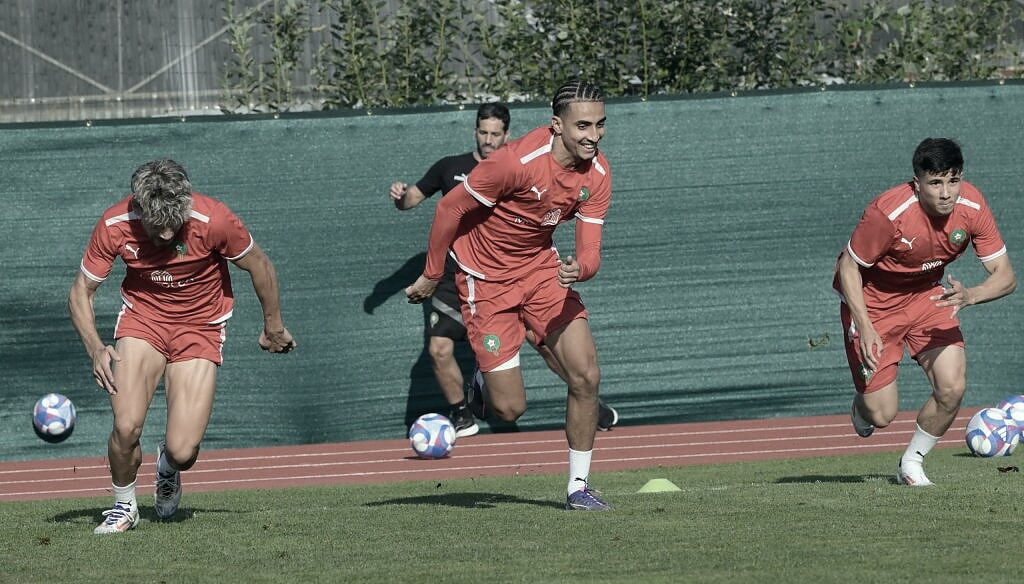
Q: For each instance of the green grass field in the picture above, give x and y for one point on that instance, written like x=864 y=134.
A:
x=837 y=519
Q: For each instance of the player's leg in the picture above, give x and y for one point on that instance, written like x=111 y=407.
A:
x=195 y=353
x=190 y=386
x=876 y=401
x=449 y=379
x=443 y=330
x=446 y=369
x=936 y=343
x=573 y=347
x=136 y=375
x=495 y=332
x=607 y=416
x=946 y=369
x=558 y=318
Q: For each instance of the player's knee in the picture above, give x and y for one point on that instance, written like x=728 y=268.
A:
x=584 y=383
x=440 y=351
x=948 y=396
x=182 y=455
x=880 y=417
x=126 y=433
x=508 y=412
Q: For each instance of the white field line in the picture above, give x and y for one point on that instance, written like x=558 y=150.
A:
x=522 y=454
x=447 y=469
x=602 y=439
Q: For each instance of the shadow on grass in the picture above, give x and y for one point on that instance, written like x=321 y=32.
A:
x=837 y=479
x=145 y=514
x=467 y=501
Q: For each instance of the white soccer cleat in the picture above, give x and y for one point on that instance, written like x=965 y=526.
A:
x=168 y=489
x=862 y=427
x=122 y=517
x=912 y=474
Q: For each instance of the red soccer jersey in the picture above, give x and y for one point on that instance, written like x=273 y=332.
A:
x=185 y=282
x=530 y=194
x=902 y=249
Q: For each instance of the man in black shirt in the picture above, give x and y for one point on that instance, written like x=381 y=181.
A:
x=446 y=326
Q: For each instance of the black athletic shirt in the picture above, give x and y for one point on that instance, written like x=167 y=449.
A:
x=443 y=176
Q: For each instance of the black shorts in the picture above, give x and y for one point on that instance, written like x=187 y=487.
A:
x=445 y=313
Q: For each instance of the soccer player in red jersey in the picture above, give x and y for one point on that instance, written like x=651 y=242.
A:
x=177 y=299
x=890 y=280
x=446 y=326
x=498 y=227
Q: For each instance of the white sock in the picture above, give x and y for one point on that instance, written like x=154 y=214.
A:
x=920 y=445
x=125 y=494
x=163 y=466
x=579 y=469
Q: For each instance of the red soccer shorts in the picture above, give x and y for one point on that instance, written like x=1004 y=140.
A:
x=176 y=342
x=916 y=323
x=497 y=313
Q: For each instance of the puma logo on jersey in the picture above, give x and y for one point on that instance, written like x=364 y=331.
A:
x=910 y=243
x=539 y=192
x=134 y=250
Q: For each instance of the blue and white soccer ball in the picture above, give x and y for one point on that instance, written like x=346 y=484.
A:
x=432 y=436
x=991 y=432
x=1014 y=408
x=53 y=417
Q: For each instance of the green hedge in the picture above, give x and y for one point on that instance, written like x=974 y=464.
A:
x=426 y=52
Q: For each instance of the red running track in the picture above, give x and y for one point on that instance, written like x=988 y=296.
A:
x=622 y=448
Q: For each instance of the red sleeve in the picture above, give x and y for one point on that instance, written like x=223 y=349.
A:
x=872 y=238
x=590 y=220
x=232 y=238
x=988 y=243
x=588 y=248
x=495 y=177
x=99 y=253
x=449 y=213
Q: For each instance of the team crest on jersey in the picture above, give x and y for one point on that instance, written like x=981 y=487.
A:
x=551 y=217
x=958 y=237
x=492 y=344
x=180 y=249
x=584 y=194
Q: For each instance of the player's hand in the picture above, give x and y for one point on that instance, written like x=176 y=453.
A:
x=101 y=370
x=870 y=348
x=568 y=272
x=955 y=295
x=420 y=290
x=397 y=190
x=277 y=341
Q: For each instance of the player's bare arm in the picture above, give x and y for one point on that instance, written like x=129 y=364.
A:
x=853 y=291
x=83 y=317
x=405 y=196
x=274 y=337
x=1001 y=281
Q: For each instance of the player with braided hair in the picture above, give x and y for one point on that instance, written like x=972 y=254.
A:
x=498 y=226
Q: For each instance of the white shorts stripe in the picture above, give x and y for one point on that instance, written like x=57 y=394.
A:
x=510 y=364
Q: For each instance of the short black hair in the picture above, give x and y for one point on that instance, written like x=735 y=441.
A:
x=938 y=156
x=494 y=110
x=575 y=90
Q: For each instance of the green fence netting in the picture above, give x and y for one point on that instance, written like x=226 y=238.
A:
x=713 y=300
